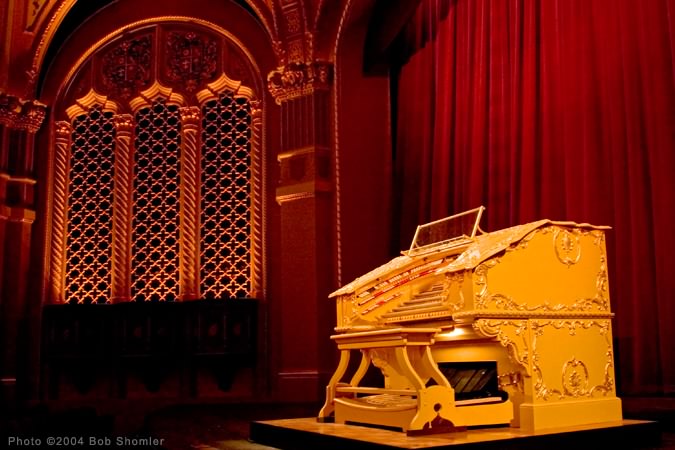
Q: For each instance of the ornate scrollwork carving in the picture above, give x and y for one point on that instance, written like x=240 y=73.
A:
x=518 y=351
x=21 y=114
x=575 y=378
x=299 y=79
x=481 y=281
x=566 y=246
x=575 y=375
x=567 y=249
x=454 y=279
x=503 y=302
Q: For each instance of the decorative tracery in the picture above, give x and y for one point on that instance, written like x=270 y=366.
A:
x=155 y=261
x=226 y=197
x=164 y=203
x=91 y=186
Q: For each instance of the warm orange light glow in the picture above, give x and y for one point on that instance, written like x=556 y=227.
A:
x=164 y=203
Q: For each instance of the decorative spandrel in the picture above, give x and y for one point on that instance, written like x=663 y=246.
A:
x=90 y=203
x=155 y=241
x=225 y=261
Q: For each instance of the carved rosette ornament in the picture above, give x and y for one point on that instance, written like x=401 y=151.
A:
x=21 y=114
x=299 y=79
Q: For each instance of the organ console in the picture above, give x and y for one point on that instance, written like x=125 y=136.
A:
x=468 y=328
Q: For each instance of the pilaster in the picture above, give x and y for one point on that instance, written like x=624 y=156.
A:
x=305 y=195
x=19 y=120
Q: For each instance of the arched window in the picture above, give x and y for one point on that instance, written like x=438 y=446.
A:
x=154 y=198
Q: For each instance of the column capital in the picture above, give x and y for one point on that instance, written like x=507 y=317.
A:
x=123 y=123
x=21 y=114
x=190 y=115
x=299 y=79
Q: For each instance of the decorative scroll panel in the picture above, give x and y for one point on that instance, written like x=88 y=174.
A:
x=155 y=262
x=90 y=200
x=225 y=262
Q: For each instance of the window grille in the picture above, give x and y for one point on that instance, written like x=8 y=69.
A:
x=225 y=198
x=158 y=173
x=89 y=250
x=155 y=261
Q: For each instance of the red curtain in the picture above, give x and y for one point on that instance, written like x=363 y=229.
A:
x=560 y=109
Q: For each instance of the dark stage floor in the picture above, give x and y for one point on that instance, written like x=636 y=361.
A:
x=228 y=426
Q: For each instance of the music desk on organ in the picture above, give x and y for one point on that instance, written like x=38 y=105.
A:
x=473 y=329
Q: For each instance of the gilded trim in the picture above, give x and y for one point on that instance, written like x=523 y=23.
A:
x=518 y=351
x=574 y=383
x=567 y=249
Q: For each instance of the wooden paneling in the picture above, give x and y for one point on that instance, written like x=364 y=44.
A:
x=133 y=349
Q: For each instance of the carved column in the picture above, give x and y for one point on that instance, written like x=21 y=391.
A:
x=121 y=270
x=58 y=245
x=258 y=183
x=189 y=215
x=19 y=120
x=305 y=196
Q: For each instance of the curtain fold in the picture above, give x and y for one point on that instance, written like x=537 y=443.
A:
x=560 y=109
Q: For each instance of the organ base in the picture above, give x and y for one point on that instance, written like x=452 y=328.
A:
x=304 y=433
x=573 y=413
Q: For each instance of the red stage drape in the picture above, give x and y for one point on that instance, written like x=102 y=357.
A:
x=560 y=109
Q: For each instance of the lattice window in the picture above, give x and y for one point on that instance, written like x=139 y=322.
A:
x=90 y=200
x=158 y=171
x=225 y=260
x=155 y=260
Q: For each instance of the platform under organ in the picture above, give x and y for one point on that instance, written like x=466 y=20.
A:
x=511 y=327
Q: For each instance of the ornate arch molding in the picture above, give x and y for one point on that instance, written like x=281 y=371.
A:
x=212 y=92
x=190 y=117
x=86 y=57
x=154 y=93
x=262 y=10
x=91 y=100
